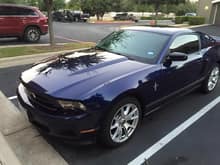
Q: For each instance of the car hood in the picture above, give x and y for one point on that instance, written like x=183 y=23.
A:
x=78 y=73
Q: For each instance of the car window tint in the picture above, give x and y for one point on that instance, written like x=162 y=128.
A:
x=11 y=11
x=7 y=11
x=206 y=40
x=185 y=44
x=27 y=12
x=139 y=45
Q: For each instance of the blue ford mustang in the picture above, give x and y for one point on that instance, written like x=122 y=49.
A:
x=104 y=91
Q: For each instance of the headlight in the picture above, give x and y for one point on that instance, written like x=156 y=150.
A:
x=71 y=105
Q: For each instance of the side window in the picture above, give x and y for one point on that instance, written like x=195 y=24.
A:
x=206 y=40
x=185 y=44
x=1 y=11
x=16 y=11
x=6 y=11
x=28 y=12
x=25 y=12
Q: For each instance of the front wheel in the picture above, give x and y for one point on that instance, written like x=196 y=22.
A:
x=32 y=34
x=211 y=81
x=121 y=122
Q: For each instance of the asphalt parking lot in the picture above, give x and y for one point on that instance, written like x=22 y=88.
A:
x=197 y=145
x=71 y=32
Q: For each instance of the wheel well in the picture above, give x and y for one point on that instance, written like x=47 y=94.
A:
x=132 y=94
x=36 y=26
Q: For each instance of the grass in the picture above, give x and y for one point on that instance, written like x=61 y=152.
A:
x=30 y=50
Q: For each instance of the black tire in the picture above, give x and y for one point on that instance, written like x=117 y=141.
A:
x=105 y=136
x=32 y=34
x=206 y=88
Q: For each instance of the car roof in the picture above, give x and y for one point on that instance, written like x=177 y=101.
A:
x=162 y=30
x=18 y=5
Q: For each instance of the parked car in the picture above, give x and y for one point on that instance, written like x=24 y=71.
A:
x=84 y=17
x=70 y=16
x=125 y=16
x=105 y=91
x=24 y=22
x=59 y=16
x=191 y=14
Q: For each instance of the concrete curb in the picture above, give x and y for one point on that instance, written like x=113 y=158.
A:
x=188 y=26
x=12 y=120
x=30 y=59
x=28 y=45
x=19 y=136
x=111 y=22
x=196 y=26
x=7 y=156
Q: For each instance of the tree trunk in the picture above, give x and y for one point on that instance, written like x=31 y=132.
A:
x=49 y=4
x=97 y=16
x=157 y=6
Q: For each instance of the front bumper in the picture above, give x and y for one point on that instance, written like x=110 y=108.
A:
x=44 y=29
x=77 y=128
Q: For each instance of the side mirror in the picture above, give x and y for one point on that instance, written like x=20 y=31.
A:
x=177 y=56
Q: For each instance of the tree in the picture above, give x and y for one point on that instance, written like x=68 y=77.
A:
x=49 y=6
x=74 y=4
x=32 y=2
x=188 y=7
x=59 y=4
x=11 y=1
x=97 y=7
x=158 y=3
x=122 y=5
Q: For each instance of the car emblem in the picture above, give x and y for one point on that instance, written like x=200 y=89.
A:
x=33 y=95
x=155 y=86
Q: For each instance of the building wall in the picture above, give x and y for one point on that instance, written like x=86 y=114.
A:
x=204 y=9
x=209 y=10
x=217 y=12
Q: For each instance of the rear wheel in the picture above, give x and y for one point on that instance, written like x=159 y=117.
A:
x=32 y=34
x=121 y=123
x=211 y=81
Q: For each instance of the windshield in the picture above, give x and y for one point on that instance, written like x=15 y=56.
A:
x=138 y=45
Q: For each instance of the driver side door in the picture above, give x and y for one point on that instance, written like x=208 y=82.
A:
x=180 y=75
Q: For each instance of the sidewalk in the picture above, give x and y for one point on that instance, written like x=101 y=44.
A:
x=112 y=22
x=20 y=142
x=30 y=59
x=7 y=156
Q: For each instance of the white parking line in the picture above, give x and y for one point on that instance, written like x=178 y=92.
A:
x=12 y=98
x=169 y=137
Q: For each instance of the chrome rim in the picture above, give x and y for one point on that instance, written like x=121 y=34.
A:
x=33 y=35
x=124 y=123
x=213 y=78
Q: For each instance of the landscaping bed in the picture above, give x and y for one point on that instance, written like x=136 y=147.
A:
x=30 y=50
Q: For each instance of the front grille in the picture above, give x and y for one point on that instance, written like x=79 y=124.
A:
x=47 y=104
x=42 y=102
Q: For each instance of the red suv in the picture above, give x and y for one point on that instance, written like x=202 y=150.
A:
x=24 y=22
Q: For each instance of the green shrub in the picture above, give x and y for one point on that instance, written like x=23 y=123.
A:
x=153 y=18
x=181 y=19
x=165 y=18
x=196 y=20
x=192 y=20
x=146 y=18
